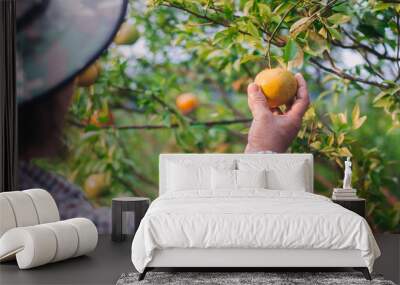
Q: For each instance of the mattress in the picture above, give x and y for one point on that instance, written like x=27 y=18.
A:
x=251 y=219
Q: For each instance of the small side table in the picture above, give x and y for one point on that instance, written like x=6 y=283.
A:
x=355 y=205
x=137 y=205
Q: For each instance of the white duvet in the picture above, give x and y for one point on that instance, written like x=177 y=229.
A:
x=250 y=219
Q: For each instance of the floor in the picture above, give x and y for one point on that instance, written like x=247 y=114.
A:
x=389 y=263
x=95 y=268
x=110 y=260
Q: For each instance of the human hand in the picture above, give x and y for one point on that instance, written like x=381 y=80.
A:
x=272 y=130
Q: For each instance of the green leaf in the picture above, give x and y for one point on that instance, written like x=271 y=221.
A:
x=290 y=51
x=380 y=96
x=341 y=7
x=265 y=11
x=250 y=57
x=300 y=26
x=342 y=117
x=316 y=145
x=384 y=103
x=223 y=35
x=355 y=114
x=298 y=61
x=316 y=43
x=340 y=138
x=90 y=128
x=338 y=19
x=382 y=6
x=248 y=6
x=251 y=28
x=359 y=122
x=344 y=151
x=334 y=33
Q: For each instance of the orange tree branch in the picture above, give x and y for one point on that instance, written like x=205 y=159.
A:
x=358 y=45
x=172 y=126
x=225 y=23
x=345 y=75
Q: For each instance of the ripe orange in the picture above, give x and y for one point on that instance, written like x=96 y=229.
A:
x=89 y=75
x=95 y=184
x=187 y=102
x=240 y=85
x=98 y=118
x=127 y=34
x=278 y=85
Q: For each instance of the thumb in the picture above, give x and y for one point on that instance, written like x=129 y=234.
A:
x=257 y=101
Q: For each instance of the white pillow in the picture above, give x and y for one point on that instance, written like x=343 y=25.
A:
x=223 y=179
x=181 y=177
x=251 y=178
x=285 y=174
x=292 y=179
x=187 y=175
x=226 y=179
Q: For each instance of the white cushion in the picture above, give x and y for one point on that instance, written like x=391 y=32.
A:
x=282 y=174
x=251 y=178
x=223 y=179
x=229 y=180
x=186 y=175
x=40 y=244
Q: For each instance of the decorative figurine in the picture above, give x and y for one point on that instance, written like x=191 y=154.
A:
x=347 y=174
x=347 y=192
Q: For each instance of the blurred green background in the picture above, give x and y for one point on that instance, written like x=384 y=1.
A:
x=348 y=52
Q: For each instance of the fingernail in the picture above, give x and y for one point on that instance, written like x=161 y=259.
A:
x=253 y=88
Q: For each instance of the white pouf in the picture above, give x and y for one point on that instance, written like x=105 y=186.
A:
x=37 y=245
x=31 y=233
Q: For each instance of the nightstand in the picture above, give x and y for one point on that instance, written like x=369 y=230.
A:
x=120 y=208
x=356 y=205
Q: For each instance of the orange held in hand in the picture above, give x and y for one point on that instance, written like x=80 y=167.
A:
x=89 y=75
x=187 y=102
x=278 y=85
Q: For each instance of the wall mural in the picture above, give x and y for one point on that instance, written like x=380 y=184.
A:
x=175 y=80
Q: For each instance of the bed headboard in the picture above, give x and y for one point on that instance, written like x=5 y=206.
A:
x=164 y=158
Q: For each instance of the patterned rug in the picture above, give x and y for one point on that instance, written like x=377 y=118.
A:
x=243 y=278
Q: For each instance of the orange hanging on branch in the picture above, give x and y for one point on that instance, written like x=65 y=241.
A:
x=187 y=102
x=89 y=76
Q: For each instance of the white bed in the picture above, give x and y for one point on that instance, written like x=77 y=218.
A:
x=280 y=225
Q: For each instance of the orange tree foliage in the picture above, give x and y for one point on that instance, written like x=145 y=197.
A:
x=347 y=50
